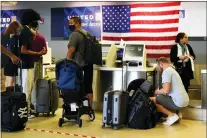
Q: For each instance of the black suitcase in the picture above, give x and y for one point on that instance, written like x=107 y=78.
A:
x=46 y=96
x=14 y=110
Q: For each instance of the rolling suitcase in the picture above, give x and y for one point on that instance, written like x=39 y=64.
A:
x=120 y=105
x=107 y=108
x=46 y=96
x=14 y=110
x=115 y=108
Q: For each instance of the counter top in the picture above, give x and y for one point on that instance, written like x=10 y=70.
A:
x=204 y=71
x=120 y=69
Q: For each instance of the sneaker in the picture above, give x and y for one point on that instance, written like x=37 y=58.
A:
x=30 y=116
x=171 y=120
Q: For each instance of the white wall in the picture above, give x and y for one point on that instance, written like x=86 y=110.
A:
x=194 y=24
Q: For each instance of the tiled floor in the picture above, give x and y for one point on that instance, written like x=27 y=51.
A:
x=186 y=128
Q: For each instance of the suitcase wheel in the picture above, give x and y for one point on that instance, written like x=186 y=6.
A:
x=60 y=122
x=36 y=114
x=116 y=127
x=103 y=125
x=80 y=123
x=48 y=114
x=53 y=113
x=92 y=115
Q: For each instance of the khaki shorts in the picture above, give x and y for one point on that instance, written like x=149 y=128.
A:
x=3 y=87
x=167 y=102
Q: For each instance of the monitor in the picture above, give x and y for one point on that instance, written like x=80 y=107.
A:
x=135 y=52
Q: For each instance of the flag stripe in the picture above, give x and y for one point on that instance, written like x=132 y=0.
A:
x=145 y=34
x=155 y=43
x=176 y=16
x=141 y=9
x=155 y=30
x=158 y=51
x=139 y=38
x=166 y=21
x=155 y=4
x=157 y=55
x=158 y=47
x=155 y=26
x=154 y=13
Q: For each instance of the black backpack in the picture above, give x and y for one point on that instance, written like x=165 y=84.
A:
x=142 y=112
x=14 y=111
x=93 y=50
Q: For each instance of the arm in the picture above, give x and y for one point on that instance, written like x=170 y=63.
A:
x=24 y=50
x=15 y=60
x=72 y=45
x=70 y=53
x=166 y=81
x=192 y=54
x=165 y=89
x=25 y=39
x=173 y=55
x=44 y=47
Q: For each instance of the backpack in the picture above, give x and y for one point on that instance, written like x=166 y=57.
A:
x=14 y=111
x=69 y=78
x=93 y=50
x=142 y=112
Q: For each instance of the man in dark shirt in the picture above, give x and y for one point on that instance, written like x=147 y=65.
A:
x=76 y=47
x=29 y=19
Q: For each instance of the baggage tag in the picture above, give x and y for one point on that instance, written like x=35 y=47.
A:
x=131 y=93
x=73 y=106
x=85 y=103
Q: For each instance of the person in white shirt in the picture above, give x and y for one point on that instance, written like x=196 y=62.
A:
x=172 y=96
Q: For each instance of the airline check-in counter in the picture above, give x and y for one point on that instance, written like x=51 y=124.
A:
x=111 y=75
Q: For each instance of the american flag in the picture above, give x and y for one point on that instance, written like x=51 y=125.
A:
x=155 y=24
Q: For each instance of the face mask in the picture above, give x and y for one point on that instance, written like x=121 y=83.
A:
x=72 y=27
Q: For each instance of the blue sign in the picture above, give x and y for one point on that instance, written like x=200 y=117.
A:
x=7 y=16
x=182 y=13
x=90 y=18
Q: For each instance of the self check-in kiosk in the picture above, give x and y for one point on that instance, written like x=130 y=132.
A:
x=135 y=54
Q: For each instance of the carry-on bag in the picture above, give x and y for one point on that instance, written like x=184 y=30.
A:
x=115 y=105
x=107 y=108
x=14 y=110
x=120 y=108
x=45 y=99
x=143 y=113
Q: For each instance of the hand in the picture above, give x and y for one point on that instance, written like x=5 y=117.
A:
x=45 y=51
x=14 y=59
x=183 y=57
x=192 y=57
x=40 y=53
x=157 y=92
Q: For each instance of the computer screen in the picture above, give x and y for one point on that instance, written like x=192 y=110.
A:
x=134 y=50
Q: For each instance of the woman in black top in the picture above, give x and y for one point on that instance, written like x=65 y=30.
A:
x=10 y=39
x=182 y=56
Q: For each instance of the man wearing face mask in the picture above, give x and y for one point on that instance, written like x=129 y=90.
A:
x=76 y=47
x=172 y=96
x=28 y=20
